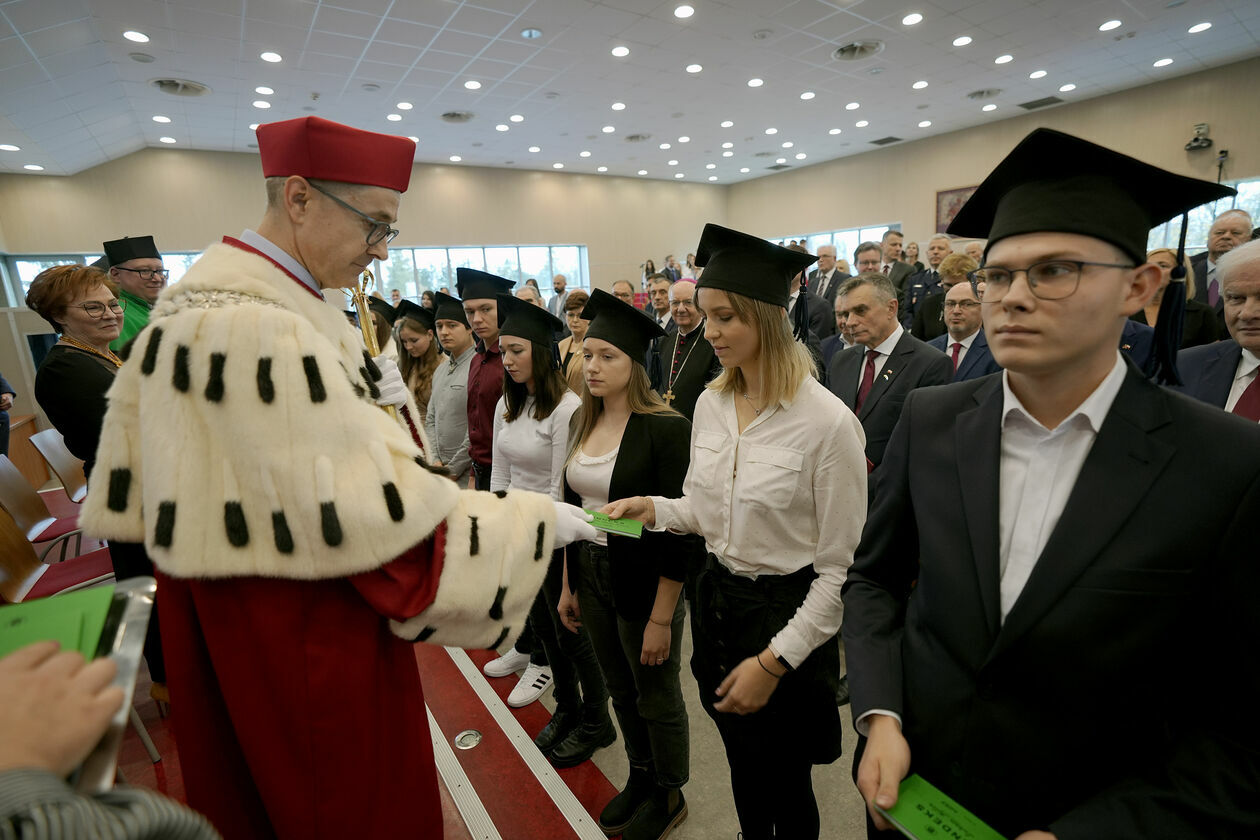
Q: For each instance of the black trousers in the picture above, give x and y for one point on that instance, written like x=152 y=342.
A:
x=570 y=655
x=4 y=433
x=130 y=561
x=481 y=476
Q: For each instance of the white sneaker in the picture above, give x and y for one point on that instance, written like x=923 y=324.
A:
x=508 y=663
x=532 y=685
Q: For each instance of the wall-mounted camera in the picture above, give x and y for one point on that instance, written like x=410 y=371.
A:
x=1200 y=140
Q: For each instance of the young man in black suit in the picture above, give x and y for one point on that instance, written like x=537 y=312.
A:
x=1032 y=562
x=874 y=377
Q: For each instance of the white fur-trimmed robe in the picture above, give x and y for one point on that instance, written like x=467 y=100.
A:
x=241 y=441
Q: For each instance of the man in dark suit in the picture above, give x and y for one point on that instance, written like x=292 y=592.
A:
x=891 y=264
x=827 y=277
x=1229 y=230
x=835 y=343
x=672 y=270
x=686 y=359
x=822 y=321
x=1227 y=374
x=964 y=343
x=925 y=283
x=874 y=376
x=929 y=318
x=658 y=301
x=1032 y=561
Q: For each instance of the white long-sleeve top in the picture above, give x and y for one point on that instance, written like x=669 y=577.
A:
x=529 y=454
x=788 y=492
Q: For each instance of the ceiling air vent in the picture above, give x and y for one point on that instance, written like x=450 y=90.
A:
x=180 y=87
x=765 y=154
x=778 y=166
x=637 y=138
x=457 y=116
x=1040 y=103
x=858 y=50
x=884 y=141
x=983 y=93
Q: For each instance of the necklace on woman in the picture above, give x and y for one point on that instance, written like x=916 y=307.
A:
x=756 y=411
x=108 y=355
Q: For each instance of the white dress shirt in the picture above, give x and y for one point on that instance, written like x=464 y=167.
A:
x=822 y=282
x=1039 y=468
x=529 y=454
x=964 y=346
x=1243 y=377
x=781 y=496
x=884 y=350
x=256 y=240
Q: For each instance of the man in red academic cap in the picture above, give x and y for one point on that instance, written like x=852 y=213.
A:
x=300 y=541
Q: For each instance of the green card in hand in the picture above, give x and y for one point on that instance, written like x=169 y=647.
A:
x=74 y=619
x=620 y=527
x=924 y=813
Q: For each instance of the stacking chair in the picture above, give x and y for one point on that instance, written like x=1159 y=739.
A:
x=68 y=469
x=28 y=510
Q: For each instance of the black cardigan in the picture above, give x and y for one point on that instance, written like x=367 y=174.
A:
x=652 y=461
x=70 y=386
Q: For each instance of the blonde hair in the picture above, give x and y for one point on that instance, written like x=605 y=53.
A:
x=640 y=398
x=785 y=362
x=957 y=265
x=1150 y=255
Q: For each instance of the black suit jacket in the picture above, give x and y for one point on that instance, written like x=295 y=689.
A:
x=822 y=315
x=837 y=279
x=1207 y=372
x=912 y=364
x=1198 y=328
x=652 y=461
x=919 y=287
x=929 y=318
x=899 y=274
x=1199 y=264
x=699 y=366
x=1061 y=718
x=978 y=362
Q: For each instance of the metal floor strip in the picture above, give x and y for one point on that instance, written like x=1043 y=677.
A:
x=474 y=814
x=583 y=825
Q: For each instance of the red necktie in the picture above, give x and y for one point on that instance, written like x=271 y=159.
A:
x=957 y=346
x=885 y=269
x=868 y=379
x=1248 y=404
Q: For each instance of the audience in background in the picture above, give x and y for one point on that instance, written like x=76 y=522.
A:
x=570 y=347
x=420 y=357
x=135 y=265
x=1229 y=230
x=1199 y=324
x=446 y=421
x=912 y=255
x=623 y=291
x=929 y=318
x=964 y=341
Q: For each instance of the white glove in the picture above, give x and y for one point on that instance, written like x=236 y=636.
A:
x=572 y=524
x=393 y=389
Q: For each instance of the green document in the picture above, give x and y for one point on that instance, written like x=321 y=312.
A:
x=924 y=813
x=621 y=527
x=75 y=620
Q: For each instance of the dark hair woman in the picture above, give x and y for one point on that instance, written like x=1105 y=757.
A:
x=426 y=299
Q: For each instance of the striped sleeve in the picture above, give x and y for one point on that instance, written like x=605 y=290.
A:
x=36 y=805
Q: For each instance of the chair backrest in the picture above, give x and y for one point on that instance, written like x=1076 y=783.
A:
x=17 y=559
x=67 y=468
x=21 y=501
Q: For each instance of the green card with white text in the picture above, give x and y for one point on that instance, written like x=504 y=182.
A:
x=923 y=812
x=621 y=527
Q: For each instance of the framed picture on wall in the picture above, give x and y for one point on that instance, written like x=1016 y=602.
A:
x=948 y=203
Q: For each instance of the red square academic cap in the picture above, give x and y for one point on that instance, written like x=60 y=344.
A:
x=329 y=151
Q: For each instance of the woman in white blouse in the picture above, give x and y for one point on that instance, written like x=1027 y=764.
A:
x=777 y=487
x=531 y=442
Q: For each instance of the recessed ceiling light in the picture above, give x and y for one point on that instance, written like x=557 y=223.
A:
x=584 y=154
x=1109 y=25
x=679 y=175
x=1037 y=74
x=911 y=19
x=167 y=140
x=781 y=160
x=455 y=158
x=755 y=82
x=694 y=68
x=712 y=177
x=608 y=129
x=535 y=149
x=710 y=166
x=834 y=131
x=924 y=123
x=728 y=145
x=642 y=171
x=394 y=117
x=271 y=57
x=1199 y=27
x=919 y=85
x=852 y=106
x=807 y=95
x=472 y=84
x=413 y=138
x=502 y=127
x=684 y=12
x=262 y=103
x=772 y=131
x=726 y=124
x=516 y=118
x=1004 y=59
x=962 y=40
x=728 y=154
x=800 y=156
x=405 y=106
x=684 y=139
x=664 y=146
x=743 y=170
x=253 y=126
x=9 y=147
x=861 y=123
x=34 y=167
x=138 y=37
x=557 y=166
x=621 y=52
x=531 y=33
x=263 y=90
x=601 y=169
x=671 y=163
x=787 y=144
x=1163 y=62
x=989 y=107
x=1066 y=88
x=619 y=106
x=158 y=118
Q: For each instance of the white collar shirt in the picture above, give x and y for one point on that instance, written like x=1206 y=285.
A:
x=256 y=240
x=1244 y=375
x=964 y=346
x=884 y=350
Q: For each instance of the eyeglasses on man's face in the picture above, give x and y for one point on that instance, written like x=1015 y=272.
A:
x=961 y=304
x=1049 y=280
x=378 y=232
x=146 y=273
x=96 y=310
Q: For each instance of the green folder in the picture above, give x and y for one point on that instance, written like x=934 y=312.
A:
x=922 y=812
x=74 y=619
x=621 y=527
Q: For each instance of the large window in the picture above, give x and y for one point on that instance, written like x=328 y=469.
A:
x=845 y=241
x=1200 y=222
x=414 y=270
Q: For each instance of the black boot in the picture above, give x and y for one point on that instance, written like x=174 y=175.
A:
x=665 y=810
x=557 y=729
x=595 y=731
x=618 y=813
x=842 y=693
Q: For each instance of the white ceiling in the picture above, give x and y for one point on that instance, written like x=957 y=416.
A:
x=72 y=98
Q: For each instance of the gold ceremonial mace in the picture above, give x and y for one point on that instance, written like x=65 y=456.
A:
x=359 y=295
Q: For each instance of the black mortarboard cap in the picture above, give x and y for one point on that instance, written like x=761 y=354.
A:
x=416 y=312
x=102 y=264
x=630 y=330
x=383 y=309
x=130 y=248
x=473 y=284
x=523 y=319
x=447 y=308
x=747 y=265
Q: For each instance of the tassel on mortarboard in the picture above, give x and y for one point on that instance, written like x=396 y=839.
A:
x=1170 y=323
